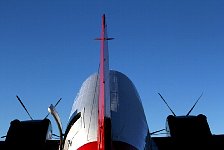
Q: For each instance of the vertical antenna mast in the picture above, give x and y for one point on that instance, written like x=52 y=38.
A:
x=104 y=122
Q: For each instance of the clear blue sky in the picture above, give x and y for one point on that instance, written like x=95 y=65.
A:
x=174 y=47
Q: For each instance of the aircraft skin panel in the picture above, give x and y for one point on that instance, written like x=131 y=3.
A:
x=129 y=126
x=89 y=146
x=84 y=130
x=128 y=119
x=112 y=116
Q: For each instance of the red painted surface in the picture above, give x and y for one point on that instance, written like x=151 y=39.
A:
x=89 y=146
x=104 y=121
x=101 y=102
x=117 y=145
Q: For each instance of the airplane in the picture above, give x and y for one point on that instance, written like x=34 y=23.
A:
x=107 y=114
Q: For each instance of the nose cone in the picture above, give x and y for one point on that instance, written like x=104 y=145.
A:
x=128 y=122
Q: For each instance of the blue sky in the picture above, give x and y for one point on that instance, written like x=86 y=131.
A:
x=173 y=47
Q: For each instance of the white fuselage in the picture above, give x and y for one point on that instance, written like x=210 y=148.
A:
x=129 y=129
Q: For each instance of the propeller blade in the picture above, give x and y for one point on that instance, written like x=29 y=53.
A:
x=167 y=104
x=3 y=136
x=194 y=104
x=24 y=107
x=56 y=135
x=54 y=106
x=154 y=133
